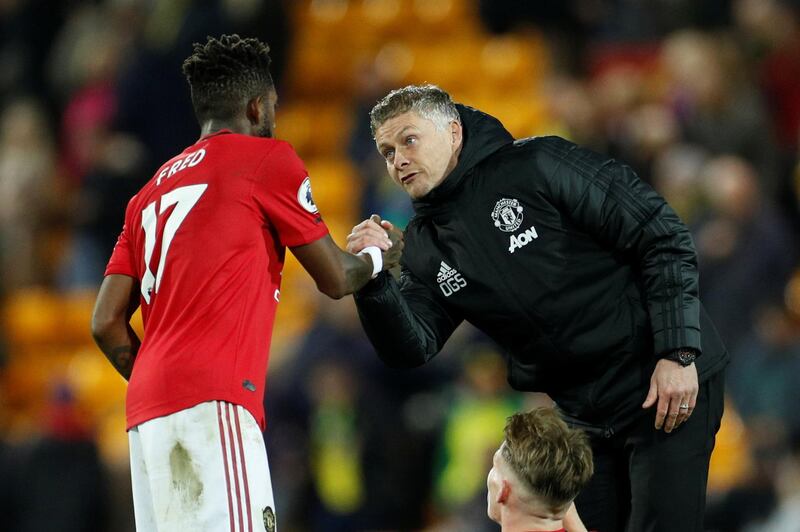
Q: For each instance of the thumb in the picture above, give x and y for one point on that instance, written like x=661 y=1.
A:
x=652 y=395
x=375 y=218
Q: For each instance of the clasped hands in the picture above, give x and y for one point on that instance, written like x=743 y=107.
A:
x=380 y=233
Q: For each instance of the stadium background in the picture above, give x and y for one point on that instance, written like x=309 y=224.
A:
x=702 y=98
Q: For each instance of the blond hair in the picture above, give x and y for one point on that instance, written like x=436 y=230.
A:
x=552 y=461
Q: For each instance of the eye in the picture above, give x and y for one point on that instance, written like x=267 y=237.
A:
x=410 y=140
x=388 y=155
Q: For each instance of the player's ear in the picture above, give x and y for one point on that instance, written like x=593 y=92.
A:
x=253 y=110
x=456 y=132
x=504 y=492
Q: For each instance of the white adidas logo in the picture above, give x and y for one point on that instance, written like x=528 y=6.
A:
x=445 y=272
x=449 y=279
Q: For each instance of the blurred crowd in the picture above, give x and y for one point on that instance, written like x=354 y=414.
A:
x=700 y=97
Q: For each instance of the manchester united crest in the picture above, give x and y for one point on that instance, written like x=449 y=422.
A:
x=507 y=215
x=269 y=519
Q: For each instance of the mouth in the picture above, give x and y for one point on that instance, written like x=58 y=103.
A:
x=406 y=178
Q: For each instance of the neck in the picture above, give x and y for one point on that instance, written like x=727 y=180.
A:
x=238 y=125
x=526 y=523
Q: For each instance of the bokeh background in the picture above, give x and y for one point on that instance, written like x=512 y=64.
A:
x=701 y=97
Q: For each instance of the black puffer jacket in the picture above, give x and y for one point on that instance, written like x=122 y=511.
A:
x=576 y=268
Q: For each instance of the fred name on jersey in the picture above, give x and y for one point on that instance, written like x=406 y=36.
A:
x=187 y=161
x=508 y=216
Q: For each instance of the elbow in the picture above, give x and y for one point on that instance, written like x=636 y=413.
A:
x=334 y=289
x=100 y=326
x=334 y=292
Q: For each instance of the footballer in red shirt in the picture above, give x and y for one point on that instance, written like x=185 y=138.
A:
x=201 y=251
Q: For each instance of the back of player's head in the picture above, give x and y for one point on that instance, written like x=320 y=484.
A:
x=428 y=101
x=226 y=73
x=552 y=461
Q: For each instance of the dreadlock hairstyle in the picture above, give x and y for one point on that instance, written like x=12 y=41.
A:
x=225 y=73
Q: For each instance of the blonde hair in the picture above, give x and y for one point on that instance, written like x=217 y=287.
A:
x=552 y=461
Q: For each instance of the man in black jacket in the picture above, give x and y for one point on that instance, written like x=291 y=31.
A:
x=580 y=271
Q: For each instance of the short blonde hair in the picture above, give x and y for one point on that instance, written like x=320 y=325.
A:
x=552 y=461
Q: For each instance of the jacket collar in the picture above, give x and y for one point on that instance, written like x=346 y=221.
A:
x=483 y=136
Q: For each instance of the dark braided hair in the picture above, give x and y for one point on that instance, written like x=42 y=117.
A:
x=225 y=73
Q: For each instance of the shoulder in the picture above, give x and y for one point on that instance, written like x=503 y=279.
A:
x=553 y=154
x=259 y=145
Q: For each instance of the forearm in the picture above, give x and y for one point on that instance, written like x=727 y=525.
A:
x=402 y=337
x=120 y=344
x=669 y=270
x=357 y=270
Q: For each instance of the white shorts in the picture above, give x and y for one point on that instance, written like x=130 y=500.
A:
x=201 y=469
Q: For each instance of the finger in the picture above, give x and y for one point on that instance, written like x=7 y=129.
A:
x=375 y=219
x=373 y=232
x=662 y=411
x=683 y=413
x=381 y=243
x=387 y=225
x=652 y=395
x=669 y=421
x=692 y=403
x=672 y=416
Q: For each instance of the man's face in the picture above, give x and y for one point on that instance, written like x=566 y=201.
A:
x=267 y=104
x=494 y=483
x=418 y=155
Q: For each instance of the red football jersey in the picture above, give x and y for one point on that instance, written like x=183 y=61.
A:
x=206 y=238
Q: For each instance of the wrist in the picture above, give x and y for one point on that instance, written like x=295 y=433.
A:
x=685 y=356
x=375 y=254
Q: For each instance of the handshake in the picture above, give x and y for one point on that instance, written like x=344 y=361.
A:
x=379 y=239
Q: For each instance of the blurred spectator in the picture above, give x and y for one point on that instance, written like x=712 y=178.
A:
x=786 y=515
x=755 y=499
x=745 y=248
x=26 y=174
x=764 y=370
x=117 y=173
x=57 y=482
x=717 y=104
x=27 y=31
x=676 y=176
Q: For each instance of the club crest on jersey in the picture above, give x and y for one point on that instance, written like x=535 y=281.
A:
x=507 y=215
x=304 y=196
x=269 y=519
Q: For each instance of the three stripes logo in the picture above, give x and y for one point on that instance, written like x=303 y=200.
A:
x=449 y=279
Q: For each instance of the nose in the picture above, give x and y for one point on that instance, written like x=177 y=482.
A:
x=400 y=160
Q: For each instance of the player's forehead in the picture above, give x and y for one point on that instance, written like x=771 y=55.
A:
x=400 y=125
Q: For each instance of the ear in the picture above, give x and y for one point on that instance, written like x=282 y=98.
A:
x=504 y=493
x=456 y=133
x=253 y=110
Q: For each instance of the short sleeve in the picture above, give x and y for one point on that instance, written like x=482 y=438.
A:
x=283 y=190
x=122 y=258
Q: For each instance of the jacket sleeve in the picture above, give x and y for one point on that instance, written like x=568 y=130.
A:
x=404 y=321
x=608 y=201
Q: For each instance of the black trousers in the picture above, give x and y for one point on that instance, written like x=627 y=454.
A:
x=650 y=481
